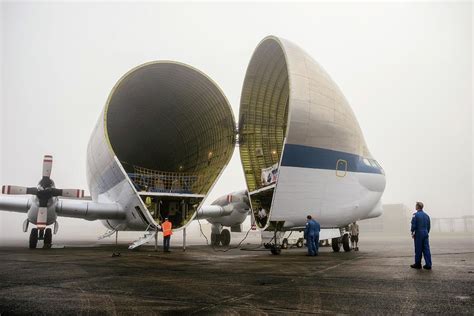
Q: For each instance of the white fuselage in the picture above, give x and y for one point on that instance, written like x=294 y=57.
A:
x=333 y=200
x=108 y=183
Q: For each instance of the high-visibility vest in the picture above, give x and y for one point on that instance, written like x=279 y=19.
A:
x=166 y=227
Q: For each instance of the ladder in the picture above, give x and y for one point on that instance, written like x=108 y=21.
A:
x=148 y=236
x=108 y=233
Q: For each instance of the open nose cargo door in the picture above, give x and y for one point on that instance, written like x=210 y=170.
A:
x=173 y=131
x=294 y=121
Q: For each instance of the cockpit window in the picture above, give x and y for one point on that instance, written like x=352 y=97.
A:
x=366 y=161
x=373 y=163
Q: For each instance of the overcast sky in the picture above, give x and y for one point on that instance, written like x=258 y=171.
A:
x=406 y=70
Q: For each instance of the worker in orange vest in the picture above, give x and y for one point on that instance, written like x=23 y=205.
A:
x=166 y=228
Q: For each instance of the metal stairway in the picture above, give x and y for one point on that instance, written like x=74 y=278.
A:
x=108 y=233
x=147 y=237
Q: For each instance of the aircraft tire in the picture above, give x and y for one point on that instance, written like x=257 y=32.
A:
x=33 y=238
x=300 y=243
x=336 y=246
x=346 y=243
x=284 y=244
x=275 y=250
x=48 y=238
x=225 y=237
x=215 y=239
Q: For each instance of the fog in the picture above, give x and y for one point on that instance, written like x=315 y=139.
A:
x=406 y=69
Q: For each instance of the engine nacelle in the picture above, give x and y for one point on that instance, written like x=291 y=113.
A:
x=228 y=210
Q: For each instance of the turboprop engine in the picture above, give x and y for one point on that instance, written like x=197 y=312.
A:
x=229 y=210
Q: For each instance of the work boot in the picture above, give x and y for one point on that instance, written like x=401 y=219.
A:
x=416 y=266
x=426 y=267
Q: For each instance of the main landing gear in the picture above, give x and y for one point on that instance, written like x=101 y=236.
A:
x=274 y=246
x=344 y=240
x=41 y=234
x=222 y=238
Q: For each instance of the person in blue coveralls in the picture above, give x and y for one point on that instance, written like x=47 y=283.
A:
x=420 y=228
x=311 y=234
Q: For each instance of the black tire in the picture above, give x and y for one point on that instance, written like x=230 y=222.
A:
x=48 y=238
x=336 y=246
x=267 y=245
x=275 y=250
x=215 y=239
x=346 y=244
x=284 y=244
x=225 y=237
x=300 y=243
x=33 y=238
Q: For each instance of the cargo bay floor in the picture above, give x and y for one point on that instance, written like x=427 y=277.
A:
x=377 y=279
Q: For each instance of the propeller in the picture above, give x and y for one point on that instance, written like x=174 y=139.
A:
x=44 y=191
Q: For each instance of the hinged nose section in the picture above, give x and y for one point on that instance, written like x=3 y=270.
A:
x=173 y=131
x=263 y=120
x=294 y=124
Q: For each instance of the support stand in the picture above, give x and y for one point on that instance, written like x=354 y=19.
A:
x=156 y=239
x=116 y=253
x=184 y=239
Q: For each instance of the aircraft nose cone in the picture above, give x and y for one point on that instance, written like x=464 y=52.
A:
x=373 y=182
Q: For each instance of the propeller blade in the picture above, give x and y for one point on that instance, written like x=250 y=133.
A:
x=42 y=218
x=14 y=189
x=72 y=193
x=47 y=165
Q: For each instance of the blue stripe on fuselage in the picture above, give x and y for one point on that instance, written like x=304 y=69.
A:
x=320 y=158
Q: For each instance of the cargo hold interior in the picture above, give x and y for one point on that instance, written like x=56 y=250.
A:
x=173 y=131
x=263 y=122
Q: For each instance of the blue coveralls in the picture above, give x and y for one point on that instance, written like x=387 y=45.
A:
x=420 y=225
x=311 y=234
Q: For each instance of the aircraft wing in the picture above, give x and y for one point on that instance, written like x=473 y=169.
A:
x=66 y=207
x=10 y=203
x=89 y=210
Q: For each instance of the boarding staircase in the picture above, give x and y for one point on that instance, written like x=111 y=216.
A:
x=148 y=236
x=108 y=233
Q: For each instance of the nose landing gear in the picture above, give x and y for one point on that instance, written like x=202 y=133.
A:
x=41 y=234
x=33 y=238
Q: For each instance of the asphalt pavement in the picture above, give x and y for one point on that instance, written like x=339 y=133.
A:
x=73 y=279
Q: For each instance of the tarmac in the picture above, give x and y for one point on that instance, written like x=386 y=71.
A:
x=75 y=279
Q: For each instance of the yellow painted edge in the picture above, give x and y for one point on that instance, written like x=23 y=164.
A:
x=337 y=168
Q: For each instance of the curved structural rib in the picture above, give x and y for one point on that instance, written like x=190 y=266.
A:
x=300 y=141
x=164 y=137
